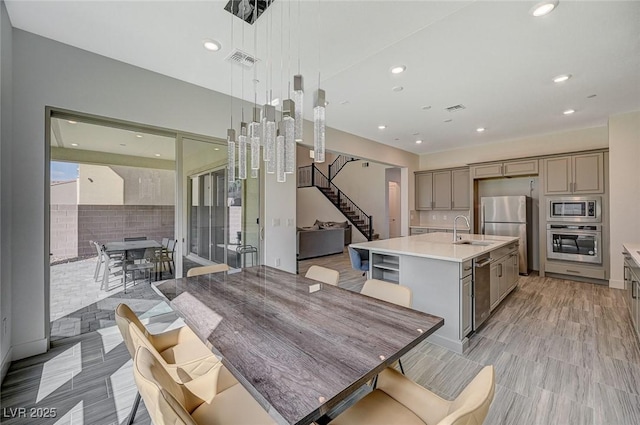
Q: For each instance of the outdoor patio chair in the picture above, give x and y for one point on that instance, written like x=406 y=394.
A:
x=166 y=257
x=112 y=266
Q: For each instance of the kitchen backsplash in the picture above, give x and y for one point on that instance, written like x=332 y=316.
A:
x=426 y=218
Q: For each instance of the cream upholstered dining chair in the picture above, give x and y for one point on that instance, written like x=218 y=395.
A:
x=215 y=268
x=389 y=292
x=180 y=350
x=169 y=402
x=399 y=400
x=323 y=274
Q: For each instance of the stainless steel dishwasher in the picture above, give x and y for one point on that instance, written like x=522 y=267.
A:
x=481 y=289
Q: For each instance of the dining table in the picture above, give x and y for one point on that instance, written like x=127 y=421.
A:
x=299 y=346
x=125 y=247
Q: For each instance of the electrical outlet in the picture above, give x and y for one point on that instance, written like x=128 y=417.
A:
x=290 y=222
x=433 y=217
x=444 y=217
x=277 y=262
x=275 y=222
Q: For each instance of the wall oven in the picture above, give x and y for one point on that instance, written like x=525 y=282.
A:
x=575 y=209
x=574 y=242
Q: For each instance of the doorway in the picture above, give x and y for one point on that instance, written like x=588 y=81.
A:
x=393 y=177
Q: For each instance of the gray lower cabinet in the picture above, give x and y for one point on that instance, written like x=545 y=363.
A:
x=467 y=306
x=632 y=286
x=504 y=274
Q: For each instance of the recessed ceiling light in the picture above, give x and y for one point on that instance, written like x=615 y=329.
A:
x=396 y=139
x=398 y=88
x=418 y=141
x=544 y=8
x=139 y=136
x=216 y=149
x=426 y=108
x=569 y=111
x=72 y=122
x=398 y=69
x=74 y=144
x=157 y=154
x=480 y=129
x=212 y=45
x=382 y=127
x=561 y=78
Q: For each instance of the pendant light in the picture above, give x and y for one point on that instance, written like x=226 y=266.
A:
x=270 y=138
x=254 y=136
x=319 y=126
x=298 y=99
x=231 y=154
x=288 y=111
x=280 y=153
x=242 y=152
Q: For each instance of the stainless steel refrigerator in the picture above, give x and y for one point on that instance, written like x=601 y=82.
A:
x=508 y=216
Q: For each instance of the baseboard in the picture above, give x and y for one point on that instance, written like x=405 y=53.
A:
x=616 y=283
x=448 y=343
x=6 y=362
x=31 y=348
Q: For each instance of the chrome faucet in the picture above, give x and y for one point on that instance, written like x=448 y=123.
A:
x=455 y=230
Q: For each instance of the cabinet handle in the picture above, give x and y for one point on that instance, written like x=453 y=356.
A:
x=573 y=271
x=501 y=169
x=633 y=286
x=500 y=270
x=453 y=204
x=575 y=186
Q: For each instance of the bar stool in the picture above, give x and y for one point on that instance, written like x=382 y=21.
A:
x=243 y=250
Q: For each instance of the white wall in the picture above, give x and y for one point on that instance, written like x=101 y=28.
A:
x=367 y=188
x=576 y=140
x=624 y=188
x=6 y=186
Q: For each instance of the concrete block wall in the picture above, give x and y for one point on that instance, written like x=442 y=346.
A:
x=110 y=223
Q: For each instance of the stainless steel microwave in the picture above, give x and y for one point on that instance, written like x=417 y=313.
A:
x=575 y=209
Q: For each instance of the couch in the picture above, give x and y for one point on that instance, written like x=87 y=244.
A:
x=312 y=242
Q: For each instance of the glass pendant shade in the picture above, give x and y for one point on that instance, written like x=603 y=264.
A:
x=288 y=111
x=319 y=127
x=254 y=174
x=280 y=153
x=298 y=98
x=270 y=147
x=254 y=137
x=242 y=152
x=231 y=154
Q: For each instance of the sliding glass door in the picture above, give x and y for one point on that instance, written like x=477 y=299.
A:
x=223 y=216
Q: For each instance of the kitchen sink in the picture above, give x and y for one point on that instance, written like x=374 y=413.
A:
x=478 y=243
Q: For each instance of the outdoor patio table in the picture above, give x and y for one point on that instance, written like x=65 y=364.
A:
x=113 y=247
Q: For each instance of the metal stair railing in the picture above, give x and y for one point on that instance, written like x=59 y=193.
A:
x=338 y=164
x=310 y=175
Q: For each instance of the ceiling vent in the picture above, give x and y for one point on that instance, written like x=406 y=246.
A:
x=455 y=108
x=241 y=58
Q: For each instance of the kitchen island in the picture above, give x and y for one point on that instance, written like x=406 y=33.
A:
x=440 y=275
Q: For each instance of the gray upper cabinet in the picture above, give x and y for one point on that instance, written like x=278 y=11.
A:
x=442 y=190
x=424 y=191
x=574 y=174
x=525 y=167
x=460 y=189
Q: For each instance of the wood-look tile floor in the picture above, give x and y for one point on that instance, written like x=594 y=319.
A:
x=564 y=354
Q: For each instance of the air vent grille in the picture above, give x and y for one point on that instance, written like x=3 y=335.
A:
x=241 y=58
x=455 y=108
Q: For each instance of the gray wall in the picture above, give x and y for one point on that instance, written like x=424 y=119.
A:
x=6 y=98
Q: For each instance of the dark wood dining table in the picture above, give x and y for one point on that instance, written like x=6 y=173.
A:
x=125 y=247
x=297 y=345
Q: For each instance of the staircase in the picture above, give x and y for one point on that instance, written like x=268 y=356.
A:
x=311 y=176
x=338 y=164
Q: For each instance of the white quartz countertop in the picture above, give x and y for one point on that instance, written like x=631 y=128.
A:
x=438 y=246
x=437 y=226
x=634 y=250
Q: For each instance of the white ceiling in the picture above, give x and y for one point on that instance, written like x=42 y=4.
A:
x=491 y=56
